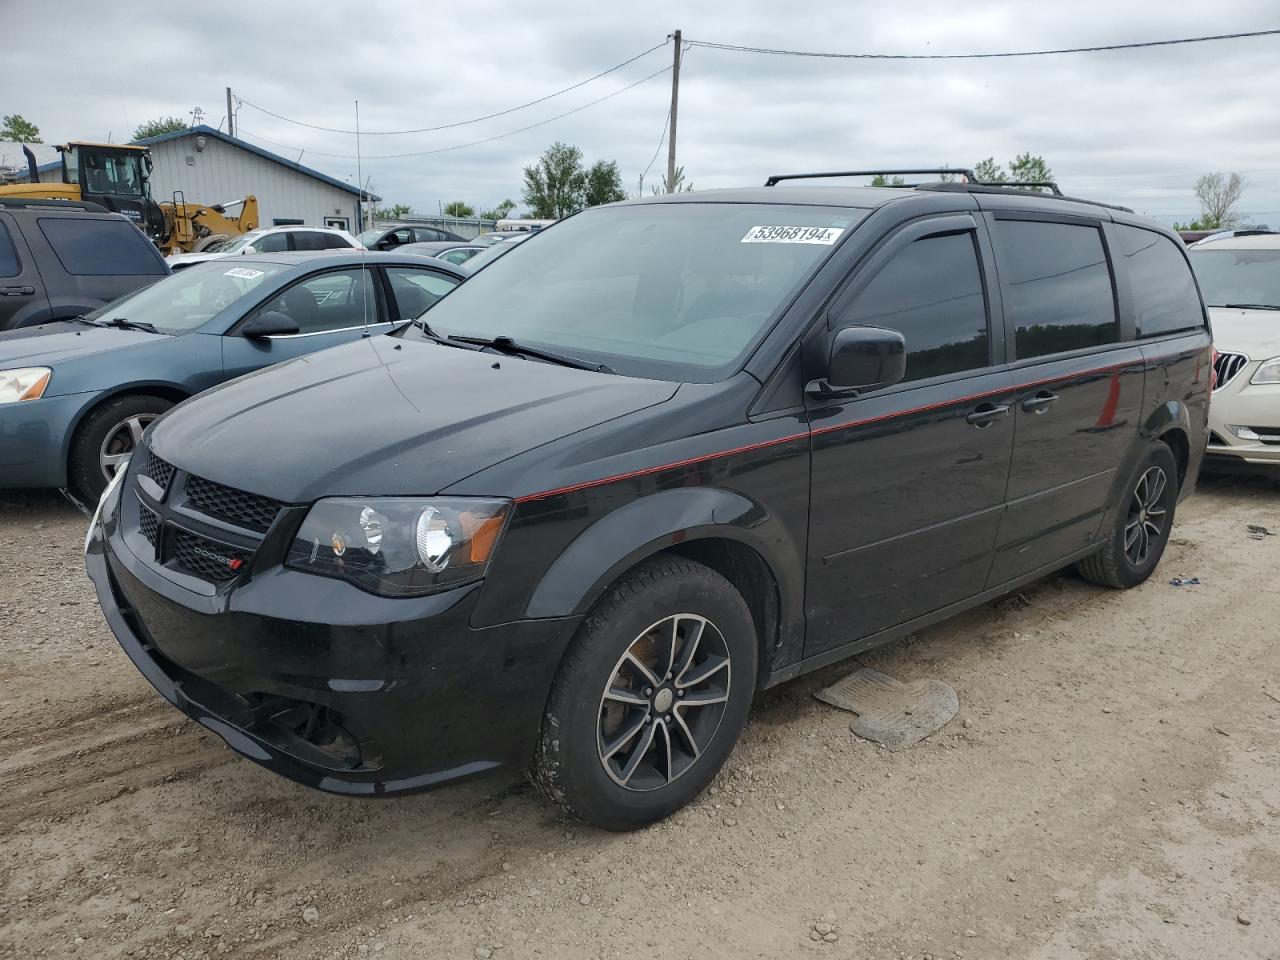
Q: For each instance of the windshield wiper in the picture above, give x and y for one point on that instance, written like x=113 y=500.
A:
x=123 y=324
x=1247 y=306
x=504 y=344
x=421 y=324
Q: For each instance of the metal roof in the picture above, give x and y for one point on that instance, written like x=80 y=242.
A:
x=206 y=131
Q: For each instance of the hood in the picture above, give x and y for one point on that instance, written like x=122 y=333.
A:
x=1255 y=333
x=49 y=344
x=386 y=416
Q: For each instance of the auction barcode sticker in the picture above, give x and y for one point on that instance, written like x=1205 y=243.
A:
x=779 y=234
x=244 y=273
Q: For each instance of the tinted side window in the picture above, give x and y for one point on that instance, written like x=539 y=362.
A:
x=310 y=240
x=1057 y=286
x=1164 y=292
x=428 y=235
x=96 y=248
x=8 y=255
x=272 y=243
x=932 y=293
x=333 y=241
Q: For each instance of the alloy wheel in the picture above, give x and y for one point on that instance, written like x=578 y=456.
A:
x=121 y=441
x=663 y=703
x=1146 y=520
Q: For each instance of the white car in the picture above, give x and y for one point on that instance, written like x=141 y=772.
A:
x=1240 y=279
x=270 y=240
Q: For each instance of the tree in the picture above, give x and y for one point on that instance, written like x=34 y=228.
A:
x=499 y=212
x=988 y=171
x=1218 y=196
x=880 y=180
x=19 y=128
x=459 y=209
x=556 y=185
x=604 y=184
x=394 y=212
x=159 y=126
x=676 y=186
x=1024 y=167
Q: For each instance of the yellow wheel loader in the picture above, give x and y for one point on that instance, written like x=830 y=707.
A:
x=117 y=177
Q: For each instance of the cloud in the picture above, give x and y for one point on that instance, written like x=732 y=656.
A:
x=1134 y=127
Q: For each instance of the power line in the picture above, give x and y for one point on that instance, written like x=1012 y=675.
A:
x=666 y=125
x=459 y=123
x=737 y=48
x=473 y=143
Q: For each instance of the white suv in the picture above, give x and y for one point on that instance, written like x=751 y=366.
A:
x=1240 y=279
x=270 y=240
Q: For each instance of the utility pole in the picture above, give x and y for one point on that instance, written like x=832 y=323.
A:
x=231 y=115
x=675 y=103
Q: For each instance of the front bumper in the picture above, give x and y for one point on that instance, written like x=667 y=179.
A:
x=33 y=440
x=1241 y=403
x=330 y=686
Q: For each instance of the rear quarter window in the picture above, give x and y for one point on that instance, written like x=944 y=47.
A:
x=94 y=248
x=1165 y=299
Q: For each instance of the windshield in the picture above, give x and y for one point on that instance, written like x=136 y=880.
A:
x=1243 y=275
x=189 y=298
x=675 y=291
x=371 y=236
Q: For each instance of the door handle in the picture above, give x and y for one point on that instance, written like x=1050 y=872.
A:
x=17 y=291
x=1040 y=403
x=984 y=414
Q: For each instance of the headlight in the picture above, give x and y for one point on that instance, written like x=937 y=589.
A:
x=399 y=547
x=1269 y=372
x=27 y=383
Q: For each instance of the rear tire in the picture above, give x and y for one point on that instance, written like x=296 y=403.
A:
x=1142 y=526
x=106 y=435
x=650 y=698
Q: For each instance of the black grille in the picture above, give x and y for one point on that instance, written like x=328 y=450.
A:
x=234 y=506
x=148 y=523
x=207 y=558
x=1227 y=367
x=158 y=470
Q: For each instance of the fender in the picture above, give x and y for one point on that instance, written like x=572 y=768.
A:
x=160 y=388
x=641 y=528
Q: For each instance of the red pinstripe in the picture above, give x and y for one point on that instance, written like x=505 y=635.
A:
x=734 y=451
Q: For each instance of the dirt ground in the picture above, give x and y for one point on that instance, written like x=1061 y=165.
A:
x=1110 y=789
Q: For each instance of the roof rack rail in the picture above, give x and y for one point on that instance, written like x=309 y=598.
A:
x=1008 y=188
x=44 y=202
x=1027 y=184
x=956 y=171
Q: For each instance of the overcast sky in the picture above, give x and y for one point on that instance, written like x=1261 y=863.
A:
x=1133 y=127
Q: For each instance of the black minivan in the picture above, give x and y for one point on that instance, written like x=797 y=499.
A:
x=664 y=454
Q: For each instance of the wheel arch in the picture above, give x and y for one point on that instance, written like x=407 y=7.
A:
x=721 y=529
x=162 y=389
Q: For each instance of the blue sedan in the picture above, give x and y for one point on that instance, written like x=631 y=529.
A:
x=75 y=396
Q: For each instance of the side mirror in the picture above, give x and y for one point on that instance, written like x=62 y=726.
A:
x=273 y=323
x=247 y=249
x=863 y=359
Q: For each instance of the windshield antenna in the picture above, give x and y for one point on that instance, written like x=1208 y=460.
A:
x=360 y=197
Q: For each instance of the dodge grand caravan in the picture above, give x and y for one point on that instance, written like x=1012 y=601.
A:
x=664 y=454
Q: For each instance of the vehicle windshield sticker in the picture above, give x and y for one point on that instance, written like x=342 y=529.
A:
x=778 y=234
x=244 y=273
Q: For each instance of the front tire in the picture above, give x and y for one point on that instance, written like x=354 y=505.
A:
x=650 y=698
x=1142 y=526
x=105 y=438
